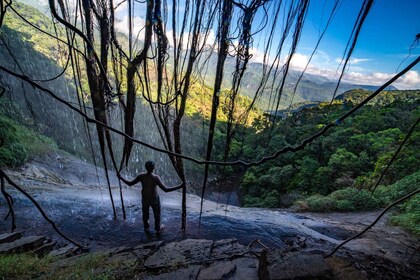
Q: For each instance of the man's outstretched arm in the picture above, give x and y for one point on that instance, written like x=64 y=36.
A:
x=130 y=183
x=165 y=188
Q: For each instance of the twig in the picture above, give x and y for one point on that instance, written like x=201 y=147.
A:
x=4 y=176
x=9 y=201
x=374 y=222
x=257 y=241
x=410 y=132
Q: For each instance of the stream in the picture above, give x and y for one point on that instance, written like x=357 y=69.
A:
x=74 y=195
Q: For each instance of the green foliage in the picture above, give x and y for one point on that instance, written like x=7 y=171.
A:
x=389 y=194
x=269 y=199
x=18 y=143
x=353 y=154
x=409 y=215
x=351 y=199
x=12 y=151
x=27 y=266
x=22 y=266
x=90 y=266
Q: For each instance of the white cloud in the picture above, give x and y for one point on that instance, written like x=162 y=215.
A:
x=121 y=25
x=257 y=55
x=359 y=60
x=298 y=62
x=353 y=60
x=357 y=75
x=411 y=80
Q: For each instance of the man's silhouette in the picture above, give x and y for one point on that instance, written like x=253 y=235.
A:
x=149 y=194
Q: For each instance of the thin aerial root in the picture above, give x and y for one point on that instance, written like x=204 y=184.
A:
x=374 y=222
x=44 y=215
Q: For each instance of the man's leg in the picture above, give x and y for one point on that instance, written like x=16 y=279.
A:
x=145 y=210
x=156 y=212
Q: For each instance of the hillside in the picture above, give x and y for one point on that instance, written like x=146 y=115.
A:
x=349 y=157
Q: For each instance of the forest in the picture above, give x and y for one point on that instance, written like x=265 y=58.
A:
x=183 y=90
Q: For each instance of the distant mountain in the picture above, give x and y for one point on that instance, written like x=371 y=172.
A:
x=311 y=88
x=384 y=98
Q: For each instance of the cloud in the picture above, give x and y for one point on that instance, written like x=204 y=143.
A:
x=356 y=75
x=121 y=25
x=354 y=60
x=257 y=55
x=411 y=80
x=298 y=62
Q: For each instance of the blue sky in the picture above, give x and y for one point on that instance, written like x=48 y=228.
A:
x=384 y=42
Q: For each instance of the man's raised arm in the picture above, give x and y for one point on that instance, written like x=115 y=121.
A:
x=165 y=188
x=130 y=183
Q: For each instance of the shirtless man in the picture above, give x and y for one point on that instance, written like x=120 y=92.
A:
x=149 y=194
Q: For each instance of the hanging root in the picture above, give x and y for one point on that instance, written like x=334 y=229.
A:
x=410 y=132
x=374 y=222
x=9 y=200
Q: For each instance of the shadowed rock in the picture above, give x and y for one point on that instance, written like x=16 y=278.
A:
x=189 y=273
x=181 y=252
x=9 y=237
x=67 y=251
x=297 y=266
x=219 y=270
x=22 y=245
x=44 y=249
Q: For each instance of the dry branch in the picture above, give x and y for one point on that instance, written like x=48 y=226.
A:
x=44 y=215
x=374 y=222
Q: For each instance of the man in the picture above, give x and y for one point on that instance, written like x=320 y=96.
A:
x=149 y=194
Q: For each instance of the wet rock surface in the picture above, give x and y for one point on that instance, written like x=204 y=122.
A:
x=80 y=206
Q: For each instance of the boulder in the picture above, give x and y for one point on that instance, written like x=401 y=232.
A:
x=246 y=268
x=22 y=245
x=44 y=249
x=9 y=237
x=67 y=251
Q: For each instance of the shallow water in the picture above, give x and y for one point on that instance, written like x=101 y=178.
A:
x=86 y=216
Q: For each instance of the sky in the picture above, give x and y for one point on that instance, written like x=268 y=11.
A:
x=383 y=47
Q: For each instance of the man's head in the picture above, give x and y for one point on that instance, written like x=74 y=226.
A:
x=150 y=165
